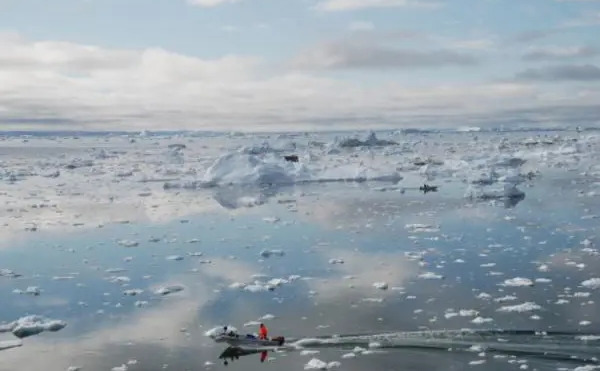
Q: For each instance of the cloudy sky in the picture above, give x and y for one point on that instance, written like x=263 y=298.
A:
x=298 y=64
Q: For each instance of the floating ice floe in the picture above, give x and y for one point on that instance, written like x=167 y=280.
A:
x=174 y=257
x=518 y=281
x=31 y=290
x=422 y=228
x=128 y=243
x=481 y=320
x=8 y=273
x=430 y=276
x=317 y=364
x=336 y=261
x=32 y=325
x=592 y=283
x=381 y=285
x=524 y=307
x=266 y=253
x=133 y=292
x=505 y=298
x=119 y=279
x=166 y=290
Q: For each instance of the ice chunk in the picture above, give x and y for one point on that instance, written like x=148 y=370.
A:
x=381 y=285
x=128 y=243
x=336 y=261
x=32 y=325
x=592 y=283
x=477 y=362
x=481 y=320
x=524 y=307
x=174 y=257
x=119 y=279
x=31 y=290
x=123 y=367
x=132 y=292
x=422 y=228
x=268 y=253
x=317 y=364
x=267 y=317
x=348 y=355
x=430 y=276
x=8 y=273
x=518 y=281
x=168 y=290
x=468 y=312
x=505 y=298
x=308 y=352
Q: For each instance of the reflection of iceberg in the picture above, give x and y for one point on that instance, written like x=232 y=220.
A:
x=509 y=193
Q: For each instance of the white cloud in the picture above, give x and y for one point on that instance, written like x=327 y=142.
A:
x=51 y=84
x=345 y=5
x=210 y=3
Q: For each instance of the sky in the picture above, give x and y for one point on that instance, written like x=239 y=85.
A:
x=298 y=65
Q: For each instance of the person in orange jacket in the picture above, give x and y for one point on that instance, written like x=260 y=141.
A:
x=263 y=332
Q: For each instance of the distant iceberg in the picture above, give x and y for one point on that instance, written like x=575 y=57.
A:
x=371 y=141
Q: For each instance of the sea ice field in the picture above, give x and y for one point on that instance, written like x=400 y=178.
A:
x=122 y=251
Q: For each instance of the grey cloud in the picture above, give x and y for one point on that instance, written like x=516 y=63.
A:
x=557 y=54
x=587 y=72
x=344 y=55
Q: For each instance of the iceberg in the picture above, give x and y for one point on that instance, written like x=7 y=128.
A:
x=32 y=325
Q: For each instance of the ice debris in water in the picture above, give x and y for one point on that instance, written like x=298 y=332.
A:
x=31 y=290
x=524 y=307
x=128 y=243
x=317 y=364
x=133 y=292
x=592 y=283
x=266 y=253
x=8 y=273
x=381 y=285
x=166 y=290
x=518 y=281
x=32 y=325
x=123 y=367
x=336 y=261
x=74 y=368
x=430 y=276
x=174 y=257
x=422 y=228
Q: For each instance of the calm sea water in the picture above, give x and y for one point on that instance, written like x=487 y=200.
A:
x=354 y=259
